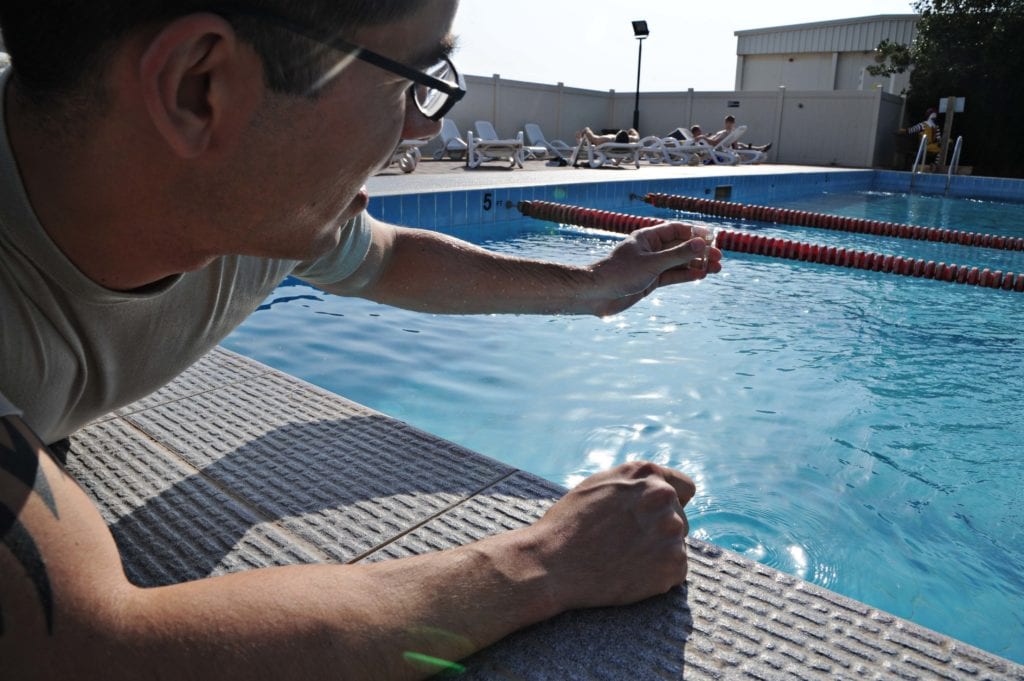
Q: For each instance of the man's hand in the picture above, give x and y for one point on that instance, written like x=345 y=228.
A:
x=617 y=538
x=670 y=253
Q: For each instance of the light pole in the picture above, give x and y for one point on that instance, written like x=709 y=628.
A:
x=640 y=32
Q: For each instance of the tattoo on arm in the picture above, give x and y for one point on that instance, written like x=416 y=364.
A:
x=21 y=460
x=20 y=543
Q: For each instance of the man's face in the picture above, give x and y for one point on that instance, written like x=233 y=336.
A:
x=314 y=155
x=729 y=125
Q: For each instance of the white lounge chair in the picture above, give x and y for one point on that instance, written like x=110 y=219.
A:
x=679 y=152
x=606 y=153
x=723 y=153
x=555 y=148
x=486 y=131
x=407 y=155
x=652 y=150
x=485 y=146
x=741 y=156
x=452 y=144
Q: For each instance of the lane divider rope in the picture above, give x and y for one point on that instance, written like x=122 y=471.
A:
x=757 y=244
x=802 y=218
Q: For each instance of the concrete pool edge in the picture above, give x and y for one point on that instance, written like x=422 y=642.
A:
x=475 y=201
x=236 y=465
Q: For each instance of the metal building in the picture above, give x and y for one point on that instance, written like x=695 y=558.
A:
x=826 y=55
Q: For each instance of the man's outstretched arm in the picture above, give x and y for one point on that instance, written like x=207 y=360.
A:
x=67 y=610
x=431 y=272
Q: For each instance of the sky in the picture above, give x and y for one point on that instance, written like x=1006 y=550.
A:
x=590 y=44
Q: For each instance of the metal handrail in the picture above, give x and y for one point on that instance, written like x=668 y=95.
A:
x=922 y=149
x=955 y=163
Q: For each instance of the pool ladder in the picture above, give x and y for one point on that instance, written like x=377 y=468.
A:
x=922 y=149
x=955 y=163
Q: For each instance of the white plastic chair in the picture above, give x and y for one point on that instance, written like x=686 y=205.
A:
x=686 y=151
x=485 y=146
x=452 y=144
x=652 y=150
x=606 y=153
x=723 y=153
x=407 y=155
x=555 y=148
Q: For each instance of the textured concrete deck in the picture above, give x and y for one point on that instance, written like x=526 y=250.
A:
x=236 y=466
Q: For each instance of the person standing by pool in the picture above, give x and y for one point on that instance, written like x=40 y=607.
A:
x=164 y=165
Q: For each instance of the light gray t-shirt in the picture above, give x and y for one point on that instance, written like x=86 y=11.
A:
x=71 y=350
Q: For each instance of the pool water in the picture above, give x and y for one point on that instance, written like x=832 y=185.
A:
x=857 y=429
x=977 y=215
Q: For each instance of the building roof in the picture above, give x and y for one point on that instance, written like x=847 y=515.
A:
x=861 y=34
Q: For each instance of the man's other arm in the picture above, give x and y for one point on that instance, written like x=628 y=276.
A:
x=67 y=610
x=432 y=272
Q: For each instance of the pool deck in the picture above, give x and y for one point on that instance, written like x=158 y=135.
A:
x=235 y=466
x=447 y=175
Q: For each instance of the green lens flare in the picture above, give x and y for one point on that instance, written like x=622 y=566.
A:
x=433 y=663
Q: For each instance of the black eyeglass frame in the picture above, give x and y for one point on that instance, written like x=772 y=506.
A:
x=455 y=92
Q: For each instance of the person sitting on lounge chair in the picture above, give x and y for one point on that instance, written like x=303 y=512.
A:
x=695 y=135
x=730 y=125
x=631 y=136
x=681 y=134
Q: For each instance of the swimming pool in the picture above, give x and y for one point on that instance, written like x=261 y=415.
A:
x=856 y=429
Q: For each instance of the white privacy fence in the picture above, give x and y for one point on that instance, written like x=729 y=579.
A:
x=843 y=128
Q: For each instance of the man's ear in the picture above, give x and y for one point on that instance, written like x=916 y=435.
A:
x=197 y=82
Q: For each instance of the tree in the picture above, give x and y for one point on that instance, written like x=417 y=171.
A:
x=891 y=58
x=974 y=49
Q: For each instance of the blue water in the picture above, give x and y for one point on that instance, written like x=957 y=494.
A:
x=856 y=429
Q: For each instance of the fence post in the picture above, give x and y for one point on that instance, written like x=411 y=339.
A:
x=688 y=121
x=873 y=134
x=558 y=112
x=495 y=108
x=778 y=122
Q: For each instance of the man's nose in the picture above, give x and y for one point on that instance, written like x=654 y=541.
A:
x=418 y=126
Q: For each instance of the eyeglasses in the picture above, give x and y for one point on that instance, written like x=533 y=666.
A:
x=434 y=91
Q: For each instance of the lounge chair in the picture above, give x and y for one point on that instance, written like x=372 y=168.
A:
x=742 y=156
x=723 y=153
x=485 y=131
x=606 y=153
x=555 y=148
x=679 y=152
x=654 y=150
x=452 y=144
x=407 y=155
x=485 y=146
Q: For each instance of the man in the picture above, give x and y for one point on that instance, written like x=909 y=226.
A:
x=630 y=136
x=165 y=165
x=730 y=126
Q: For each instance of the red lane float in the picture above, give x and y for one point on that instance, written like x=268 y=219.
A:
x=834 y=222
x=758 y=244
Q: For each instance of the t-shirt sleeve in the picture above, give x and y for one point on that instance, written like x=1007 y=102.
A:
x=344 y=260
x=6 y=408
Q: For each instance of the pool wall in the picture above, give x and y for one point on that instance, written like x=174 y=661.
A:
x=483 y=207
